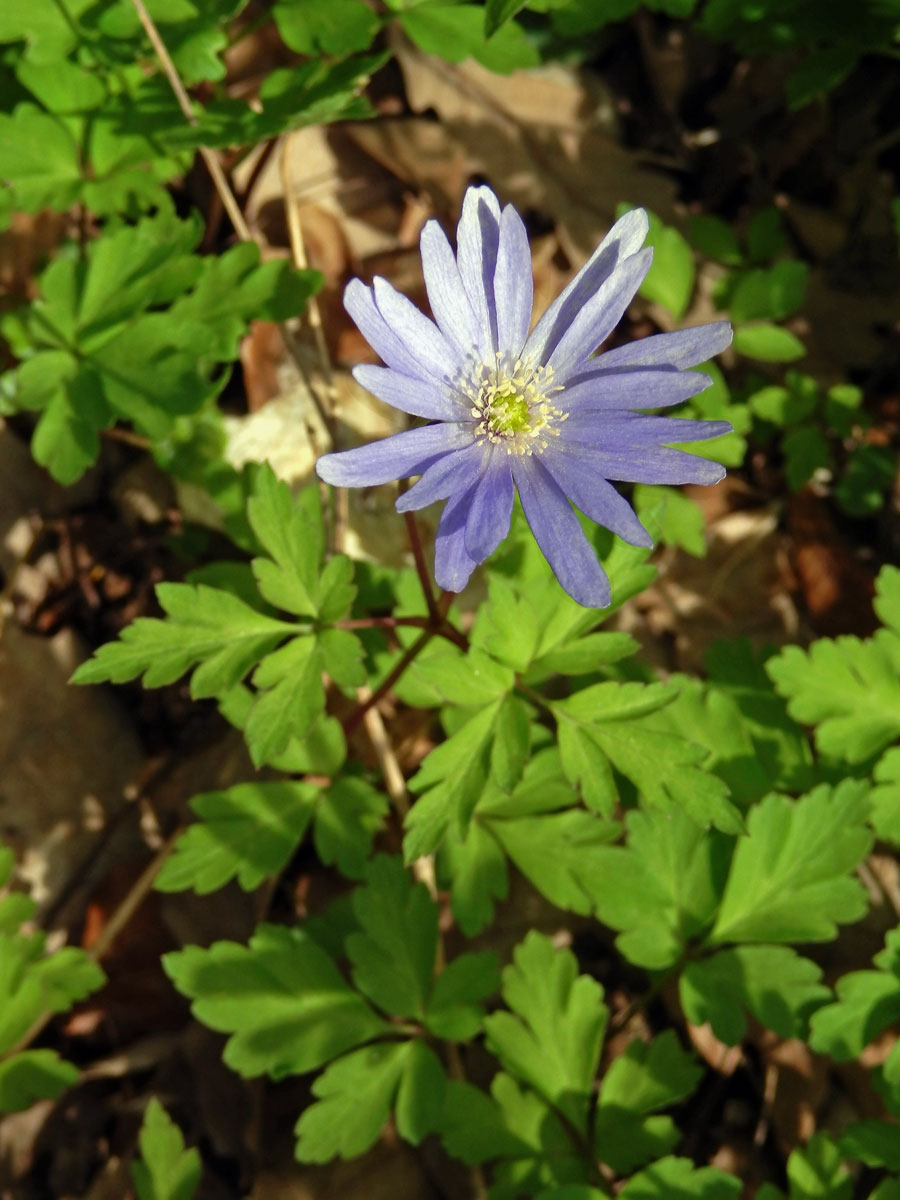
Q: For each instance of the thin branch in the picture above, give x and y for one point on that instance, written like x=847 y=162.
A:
x=415 y=542
x=351 y=721
x=184 y=103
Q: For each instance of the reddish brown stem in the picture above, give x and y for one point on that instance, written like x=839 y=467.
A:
x=422 y=568
x=356 y=715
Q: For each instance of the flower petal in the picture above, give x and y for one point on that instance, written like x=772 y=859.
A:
x=396 y=457
x=478 y=243
x=624 y=239
x=513 y=283
x=452 y=562
x=631 y=387
x=421 y=337
x=359 y=302
x=491 y=508
x=600 y=315
x=448 y=298
x=420 y=397
x=684 y=348
x=632 y=431
x=453 y=473
x=577 y=475
x=661 y=465
x=559 y=534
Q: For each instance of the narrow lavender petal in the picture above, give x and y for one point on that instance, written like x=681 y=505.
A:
x=448 y=298
x=684 y=348
x=624 y=239
x=600 y=315
x=452 y=562
x=662 y=465
x=577 y=475
x=422 y=338
x=630 y=387
x=419 y=397
x=630 y=431
x=513 y=283
x=559 y=535
x=491 y=508
x=453 y=473
x=396 y=457
x=478 y=243
x=359 y=302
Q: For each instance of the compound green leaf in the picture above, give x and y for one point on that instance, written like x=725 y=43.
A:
x=332 y=26
x=166 y=1170
x=661 y=889
x=393 y=957
x=348 y=815
x=356 y=1094
x=292 y=536
x=457 y=32
x=640 y=1082
x=552 y=1036
x=34 y=1075
x=456 y=1007
x=247 y=832
x=790 y=878
x=774 y=983
x=281 y=999
x=678 y=1179
x=885 y=797
x=868 y=1002
x=206 y=628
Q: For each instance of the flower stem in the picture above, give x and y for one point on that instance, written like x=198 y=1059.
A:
x=415 y=542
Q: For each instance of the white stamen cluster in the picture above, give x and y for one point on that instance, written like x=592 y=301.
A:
x=510 y=403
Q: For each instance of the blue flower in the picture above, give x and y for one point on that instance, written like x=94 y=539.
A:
x=527 y=411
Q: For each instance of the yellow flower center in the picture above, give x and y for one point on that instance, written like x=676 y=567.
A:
x=510 y=403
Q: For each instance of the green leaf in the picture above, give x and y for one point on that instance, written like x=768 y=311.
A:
x=848 y=688
x=584 y=655
x=806 y=451
x=32 y=986
x=166 y=1170
x=816 y=1172
x=477 y=866
x=247 y=832
x=640 y=1082
x=769 y=343
x=281 y=999
x=332 y=26
x=34 y=1075
x=471 y=680
x=875 y=1143
x=665 y=768
x=866 y=481
x=550 y=850
x=769 y=294
x=515 y=1126
x=683 y=522
x=289 y=701
x=774 y=983
x=715 y=238
x=456 y=1007
x=348 y=815
x=457 y=32
x=783 y=406
x=765 y=235
x=660 y=890
x=790 y=876
x=885 y=798
x=498 y=12
x=670 y=280
x=40 y=160
x=393 y=957
x=452 y=778
x=868 y=1002
x=207 y=628
x=552 y=1036
x=679 y=1179
x=291 y=534
x=357 y=1093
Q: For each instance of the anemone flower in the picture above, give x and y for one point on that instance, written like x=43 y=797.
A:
x=528 y=411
